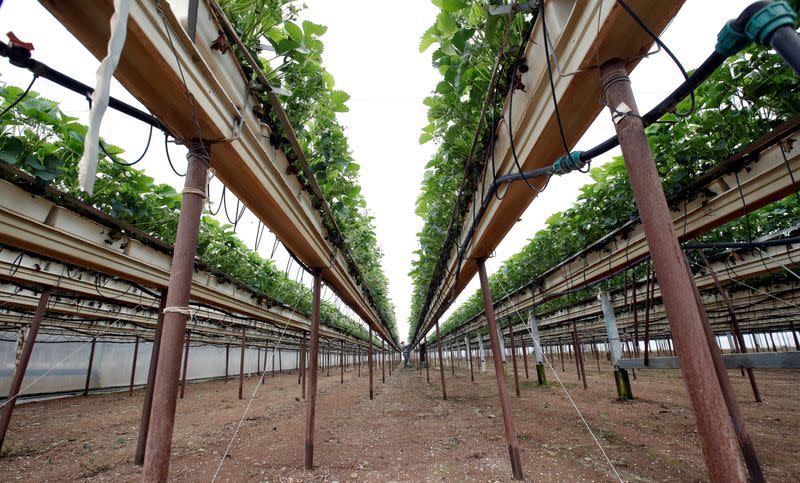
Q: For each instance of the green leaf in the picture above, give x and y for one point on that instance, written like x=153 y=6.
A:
x=425 y=137
x=294 y=32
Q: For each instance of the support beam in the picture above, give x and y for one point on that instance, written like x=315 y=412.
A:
x=186 y=362
x=537 y=350
x=89 y=369
x=241 y=363
x=760 y=360
x=505 y=404
x=19 y=373
x=144 y=421
x=441 y=361
x=715 y=429
x=369 y=363
x=468 y=346
x=313 y=362
x=624 y=391
x=133 y=364
x=159 y=435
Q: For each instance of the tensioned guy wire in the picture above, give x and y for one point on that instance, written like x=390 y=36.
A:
x=569 y=397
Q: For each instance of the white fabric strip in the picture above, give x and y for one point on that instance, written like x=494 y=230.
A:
x=87 y=168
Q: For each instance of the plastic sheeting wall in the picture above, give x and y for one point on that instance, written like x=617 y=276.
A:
x=59 y=364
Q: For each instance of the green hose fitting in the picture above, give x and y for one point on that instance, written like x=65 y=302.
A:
x=730 y=41
x=567 y=163
x=768 y=20
x=758 y=29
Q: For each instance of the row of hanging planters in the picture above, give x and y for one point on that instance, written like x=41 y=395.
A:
x=38 y=138
x=290 y=53
x=753 y=93
x=467 y=39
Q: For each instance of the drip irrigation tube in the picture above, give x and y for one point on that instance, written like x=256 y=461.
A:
x=20 y=57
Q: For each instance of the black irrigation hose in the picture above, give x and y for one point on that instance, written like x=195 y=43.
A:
x=20 y=57
x=21 y=96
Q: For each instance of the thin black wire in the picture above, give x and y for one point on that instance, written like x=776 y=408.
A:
x=169 y=160
x=21 y=96
x=550 y=77
x=123 y=163
x=113 y=158
x=661 y=44
x=219 y=204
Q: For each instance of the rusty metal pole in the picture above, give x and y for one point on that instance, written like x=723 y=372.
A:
x=514 y=356
x=241 y=364
x=468 y=345
x=734 y=323
x=227 y=359
x=715 y=429
x=579 y=356
x=383 y=361
x=794 y=336
x=745 y=443
x=162 y=422
x=19 y=373
x=427 y=363
x=341 y=362
x=452 y=358
x=441 y=362
x=303 y=366
x=266 y=354
x=311 y=405
x=524 y=349
x=369 y=363
x=89 y=369
x=133 y=366
x=144 y=421
x=185 y=361
x=505 y=403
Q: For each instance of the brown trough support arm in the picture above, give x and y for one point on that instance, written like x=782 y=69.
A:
x=715 y=430
x=162 y=422
x=19 y=373
x=502 y=389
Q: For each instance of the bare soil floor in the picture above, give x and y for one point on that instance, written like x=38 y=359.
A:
x=407 y=433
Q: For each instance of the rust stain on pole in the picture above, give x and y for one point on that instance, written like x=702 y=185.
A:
x=505 y=403
x=717 y=436
x=19 y=373
x=441 y=362
x=312 y=378
x=144 y=421
x=89 y=369
x=162 y=422
x=133 y=366
x=186 y=361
